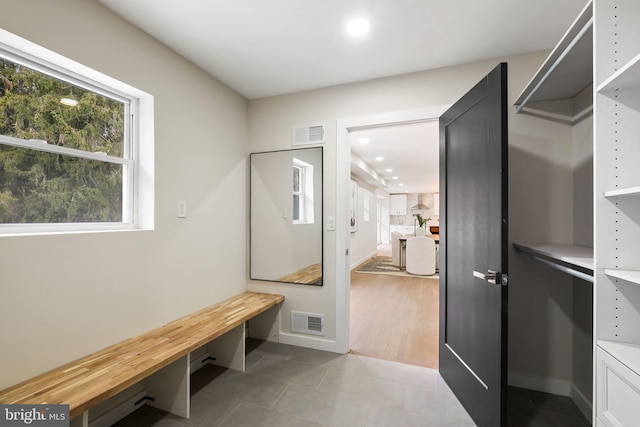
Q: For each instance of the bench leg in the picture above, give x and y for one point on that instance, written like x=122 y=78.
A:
x=171 y=386
x=228 y=349
x=80 y=420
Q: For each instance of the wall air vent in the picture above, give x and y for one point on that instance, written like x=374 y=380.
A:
x=308 y=134
x=307 y=323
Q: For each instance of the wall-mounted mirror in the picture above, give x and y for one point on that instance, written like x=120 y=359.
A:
x=286 y=216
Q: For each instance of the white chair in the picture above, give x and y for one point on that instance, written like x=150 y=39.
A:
x=395 y=249
x=421 y=256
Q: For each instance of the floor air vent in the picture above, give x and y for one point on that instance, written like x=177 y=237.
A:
x=307 y=323
x=308 y=134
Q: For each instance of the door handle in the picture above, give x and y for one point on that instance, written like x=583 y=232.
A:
x=493 y=277
x=490 y=276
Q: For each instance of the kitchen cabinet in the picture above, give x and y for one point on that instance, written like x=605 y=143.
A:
x=398 y=204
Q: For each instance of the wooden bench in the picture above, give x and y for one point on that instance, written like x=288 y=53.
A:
x=161 y=357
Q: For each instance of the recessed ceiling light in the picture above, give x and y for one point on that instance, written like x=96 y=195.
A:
x=395 y=177
x=363 y=140
x=401 y=184
x=389 y=170
x=358 y=27
x=379 y=158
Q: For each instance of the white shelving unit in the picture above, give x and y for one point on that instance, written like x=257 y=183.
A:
x=561 y=89
x=617 y=212
x=570 y=259
x=633 y=191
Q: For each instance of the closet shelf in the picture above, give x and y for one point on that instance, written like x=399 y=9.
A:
x=627 y=77
x=628 y=354
x=561 y=89
x=571 y=259
x=631 y=191
x=632 y=276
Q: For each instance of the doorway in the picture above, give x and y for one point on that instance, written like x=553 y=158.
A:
x=343 y=237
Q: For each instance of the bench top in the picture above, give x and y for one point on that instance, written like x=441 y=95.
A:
x=90 y=380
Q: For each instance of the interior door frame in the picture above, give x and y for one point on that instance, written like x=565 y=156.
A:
x=343 y=178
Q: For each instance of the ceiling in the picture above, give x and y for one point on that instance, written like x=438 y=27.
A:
x=409 y=150
x=264 y=48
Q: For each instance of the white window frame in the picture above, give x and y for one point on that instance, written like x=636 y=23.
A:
x=305 y=195
x=138 y=157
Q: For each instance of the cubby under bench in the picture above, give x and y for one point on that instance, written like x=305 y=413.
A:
x=160 y=359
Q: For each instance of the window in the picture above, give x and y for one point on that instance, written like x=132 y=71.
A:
x=72 y=146
x=302 y=192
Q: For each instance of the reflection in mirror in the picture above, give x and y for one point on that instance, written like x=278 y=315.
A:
x=286 y=216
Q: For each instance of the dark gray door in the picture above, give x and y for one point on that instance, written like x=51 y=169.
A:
x=473 y=249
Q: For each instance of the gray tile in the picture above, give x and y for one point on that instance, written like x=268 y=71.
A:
x=257 y=389
x=322 y=407
x=252 y=359
x=529 y=408
x=255 y=416
x=393 y=417
x=437 y=403
x=398 y=372
x=366 y=389
x=290 y=371
x=208 y=409
x=149 y=416
x=561 y=405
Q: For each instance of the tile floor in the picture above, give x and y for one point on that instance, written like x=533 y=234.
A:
x=529 y=408
x=292 y=386
x=287 y=386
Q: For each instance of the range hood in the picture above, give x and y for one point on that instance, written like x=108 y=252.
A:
x=420 y=205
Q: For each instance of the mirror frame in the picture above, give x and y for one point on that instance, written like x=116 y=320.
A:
x=321 y=219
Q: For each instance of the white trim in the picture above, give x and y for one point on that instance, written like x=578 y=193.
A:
x=582 y=402
x=343 y=168
x=363 y=259
x=38 y=145
x=138 y=196
x=309 y=342
x=547 y=385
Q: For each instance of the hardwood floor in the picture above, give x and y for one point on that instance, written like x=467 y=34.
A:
x=395 y=318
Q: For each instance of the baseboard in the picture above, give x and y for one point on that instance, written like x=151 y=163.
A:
x=553 y=386
x=547 y=385
x=363 y=260
x=309 y=342
x=582 y=402
x=119 y=412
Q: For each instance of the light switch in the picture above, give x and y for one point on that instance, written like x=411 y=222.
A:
x=331 y=223
x=182 y=209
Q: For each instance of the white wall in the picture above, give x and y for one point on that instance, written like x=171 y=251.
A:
x=364 y=242
x=87 y=291
x=383 y=199
x=64 y=296
x=540 y=200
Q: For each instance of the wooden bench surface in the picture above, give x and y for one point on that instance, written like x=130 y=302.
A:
x=90 y=380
